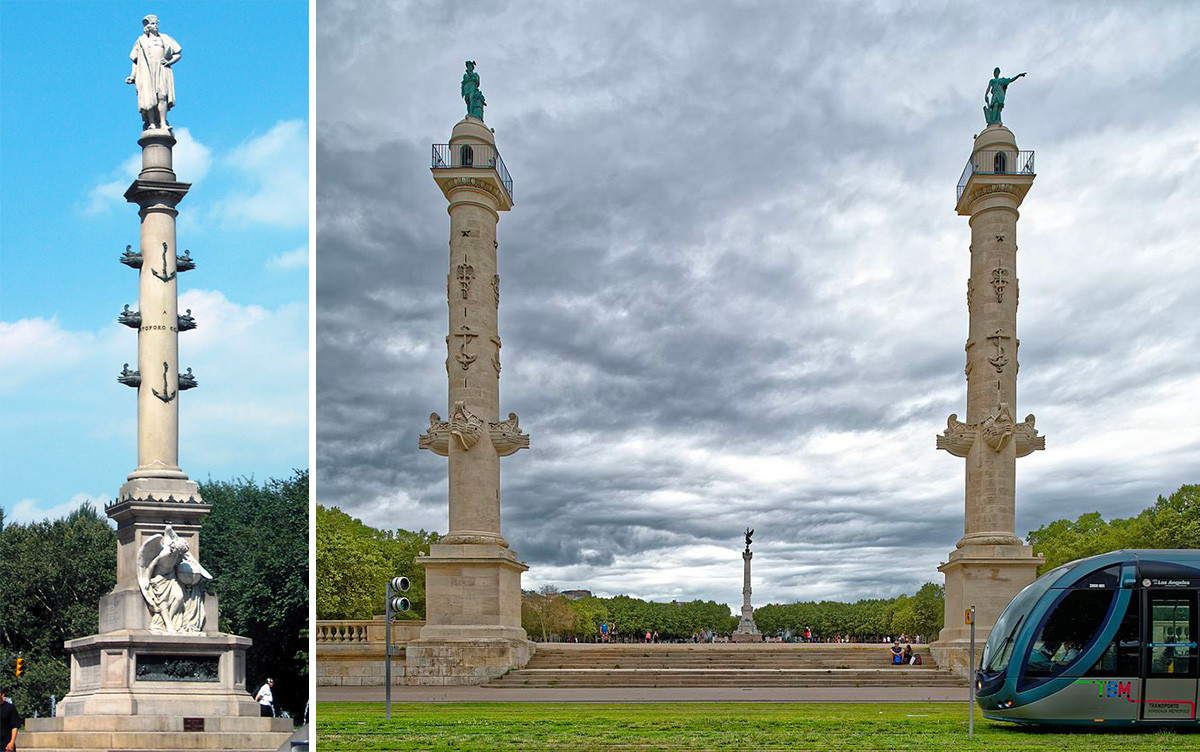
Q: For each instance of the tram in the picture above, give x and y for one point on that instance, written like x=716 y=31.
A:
x=1108 y=640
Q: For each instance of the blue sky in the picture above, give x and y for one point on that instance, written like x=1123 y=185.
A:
x=68 y=151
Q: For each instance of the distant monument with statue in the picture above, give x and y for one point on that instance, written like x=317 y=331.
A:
x=990 y=564
x=159 y=674
x=747 y=630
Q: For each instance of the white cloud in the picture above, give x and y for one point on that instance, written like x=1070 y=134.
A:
x=75 y=423
x=191 y=160
x=294 y=259
x=273 y=169
x=34 y=510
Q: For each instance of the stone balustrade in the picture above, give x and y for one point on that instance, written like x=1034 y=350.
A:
x=350 y=652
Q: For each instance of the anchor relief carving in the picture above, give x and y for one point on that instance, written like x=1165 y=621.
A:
x=464 y=358
x=164 y=276
x=167 y=395
x=1000 y=360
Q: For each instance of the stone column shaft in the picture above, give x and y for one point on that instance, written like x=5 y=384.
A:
x=992 y=366
x=157 y=192
x=472 y=361
x=746 y=590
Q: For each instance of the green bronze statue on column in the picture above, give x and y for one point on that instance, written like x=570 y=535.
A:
x=993 y=98
x=471 y=93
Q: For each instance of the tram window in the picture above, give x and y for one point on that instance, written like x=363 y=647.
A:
x=1171 y=652
x=1122 y=655
x=1067 y=631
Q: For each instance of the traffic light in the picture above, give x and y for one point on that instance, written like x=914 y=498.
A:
x=20 y=667
x=400 y=585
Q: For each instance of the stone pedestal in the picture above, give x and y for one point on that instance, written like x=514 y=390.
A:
x=472 y=627
x=990 y=565
x=988 y=578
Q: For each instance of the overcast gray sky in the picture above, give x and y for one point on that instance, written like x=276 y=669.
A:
x=734 y=281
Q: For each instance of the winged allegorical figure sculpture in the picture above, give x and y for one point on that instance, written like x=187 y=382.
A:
x=172 y=582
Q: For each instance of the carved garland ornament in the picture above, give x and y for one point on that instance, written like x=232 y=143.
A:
x=496 y=288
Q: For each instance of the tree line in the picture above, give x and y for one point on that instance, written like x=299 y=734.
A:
x=1171 y=522
x=354 y=561
x=254 y=543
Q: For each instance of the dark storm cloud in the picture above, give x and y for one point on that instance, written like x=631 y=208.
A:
x=733 y=283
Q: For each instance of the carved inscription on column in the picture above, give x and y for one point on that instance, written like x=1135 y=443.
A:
x=496 y=288
x=999 y=282
x=1000 y=360
x=466 y=273
x=465 y=335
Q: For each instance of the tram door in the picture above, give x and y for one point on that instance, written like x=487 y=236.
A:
x=1170 y=660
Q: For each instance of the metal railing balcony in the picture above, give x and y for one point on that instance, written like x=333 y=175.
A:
x=471 y=156
x=997 y=162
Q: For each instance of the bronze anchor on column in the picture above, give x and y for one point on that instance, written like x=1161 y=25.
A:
x=164 y=276
x=167 y=394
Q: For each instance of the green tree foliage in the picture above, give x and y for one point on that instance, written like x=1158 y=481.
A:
x=1172 y=522
x=355 y=561
x=550 y=615
x=255 y=545
x=869 y=619
x=52 y=574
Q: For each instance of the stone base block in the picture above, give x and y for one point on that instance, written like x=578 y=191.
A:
x=745 y=637
x=464 y=661
x=155 y=733
x=987 y=577
x=138 y=673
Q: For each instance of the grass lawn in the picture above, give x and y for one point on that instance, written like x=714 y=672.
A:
x=700 y=726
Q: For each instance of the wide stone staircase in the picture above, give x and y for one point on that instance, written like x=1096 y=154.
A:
x=570 y=665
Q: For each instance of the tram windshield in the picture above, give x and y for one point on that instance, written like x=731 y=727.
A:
x=999 y=647
x=1069 y=628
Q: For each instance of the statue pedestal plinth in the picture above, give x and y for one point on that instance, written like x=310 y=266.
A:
x=139 y=672
x=472 y=631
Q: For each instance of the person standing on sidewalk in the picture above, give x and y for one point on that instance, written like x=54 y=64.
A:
x=10 y=721
x=266 y=702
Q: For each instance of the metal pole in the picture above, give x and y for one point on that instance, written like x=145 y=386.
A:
x=387 y=661
x=971 y=681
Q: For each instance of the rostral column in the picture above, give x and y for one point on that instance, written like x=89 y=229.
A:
x=472 y=627
x=990 y=564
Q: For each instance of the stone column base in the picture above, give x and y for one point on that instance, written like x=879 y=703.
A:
x=142 y=673
x=472 y=631
x=469 y=661
x=155 y=733
x=988 y=578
